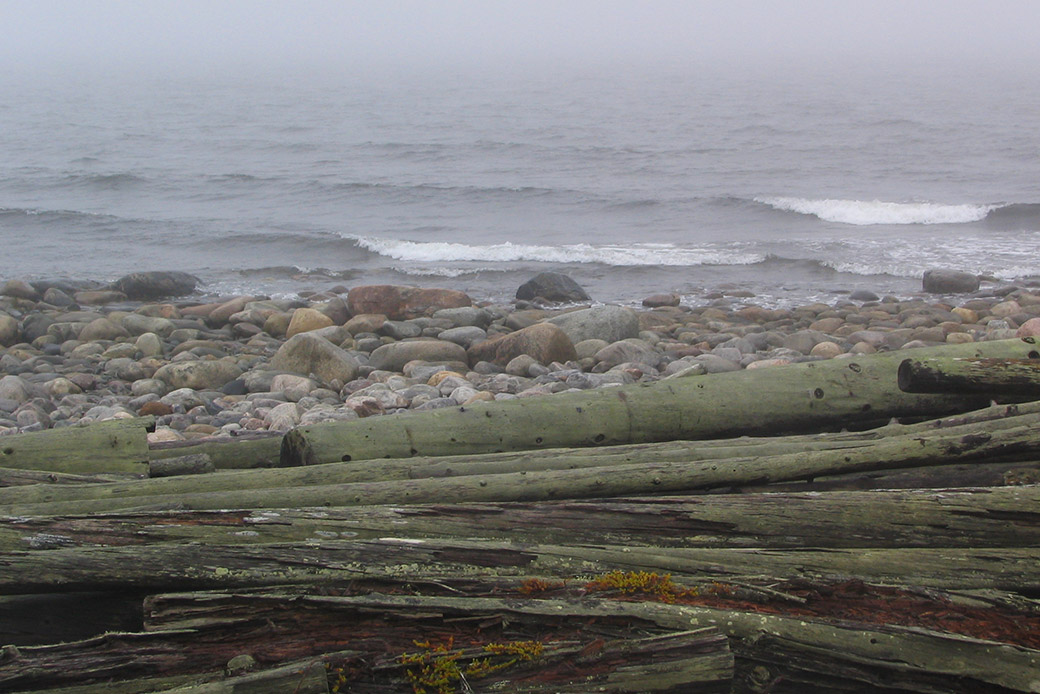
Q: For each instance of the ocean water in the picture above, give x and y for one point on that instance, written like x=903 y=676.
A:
x=794 y=185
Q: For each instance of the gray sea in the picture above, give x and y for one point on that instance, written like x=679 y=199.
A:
x=795 y=185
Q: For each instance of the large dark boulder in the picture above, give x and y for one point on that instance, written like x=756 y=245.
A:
x=552 y=286
x=939 y=281
x=156 y=284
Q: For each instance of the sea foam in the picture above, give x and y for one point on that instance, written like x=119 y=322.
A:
x=863 y=212
x=629 y=255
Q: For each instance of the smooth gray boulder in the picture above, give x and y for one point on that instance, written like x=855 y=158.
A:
x=628 y=350
x=208 y=374
x=9 y=331
x=393 y=356
x=608 y=323
x=307 y=353
x=136 y=324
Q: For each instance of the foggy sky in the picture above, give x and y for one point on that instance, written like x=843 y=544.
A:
x=344 y=34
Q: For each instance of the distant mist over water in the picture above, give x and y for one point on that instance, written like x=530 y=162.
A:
x=793 y=186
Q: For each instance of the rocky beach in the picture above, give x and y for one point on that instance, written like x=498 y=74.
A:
x=149 y=344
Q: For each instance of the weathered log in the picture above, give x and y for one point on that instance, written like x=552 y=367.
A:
x=994 y=517
x=531 y=647
x=498 y=463
x=308 y=675
x=526 y=461
x=1007 y=377
x=119 y=445
x=786 y=399
x=823 y=649
x=192 y=567
x=619 y=480
x=10 y=477
x=192 y=464
x=965 y=475
x=244 y=452
x=446 y=466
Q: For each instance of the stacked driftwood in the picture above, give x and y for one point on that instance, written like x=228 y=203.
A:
x=843 y=525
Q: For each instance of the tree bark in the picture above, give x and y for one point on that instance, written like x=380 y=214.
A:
x=191 y=567
x=244 y=452
x=498 y=463
x=192 y=464
x=634 y=647
x=822 y=651
x=798 y=397
x=1005 y=377
x=119 y=445
x=965 y=475
x=620 y=480
x=10 y=477
x=965 y=518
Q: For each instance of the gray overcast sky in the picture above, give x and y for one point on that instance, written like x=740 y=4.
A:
x=182 y=34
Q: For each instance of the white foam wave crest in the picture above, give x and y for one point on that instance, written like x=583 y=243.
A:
x=864 y=213
x=628 y=255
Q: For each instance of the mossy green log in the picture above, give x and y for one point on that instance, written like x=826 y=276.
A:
x=1010 y=377
x=809 y=396
x=934 y=448
x=118 y=445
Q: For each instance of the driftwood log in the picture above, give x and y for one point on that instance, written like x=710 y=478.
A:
x=767 y=451
x=198 y=567
x=616 y=480
x=806 y=636
x=1012 y=377
x=965 y=518
x=528 y=646
x=786 y=399
x=246 y=451
x=119 y=445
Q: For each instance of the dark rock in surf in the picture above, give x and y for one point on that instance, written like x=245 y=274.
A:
x=940 y=281
x=552 y=286
x=156 y=284
x=658 y=300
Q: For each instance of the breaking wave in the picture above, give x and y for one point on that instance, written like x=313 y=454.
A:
x=864 y=213
x=658 y=254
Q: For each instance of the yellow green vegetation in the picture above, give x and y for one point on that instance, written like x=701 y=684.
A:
x=533 y=586
x=436 y=668
x=649 y=583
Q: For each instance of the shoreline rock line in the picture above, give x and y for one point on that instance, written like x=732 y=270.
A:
x=78 y=352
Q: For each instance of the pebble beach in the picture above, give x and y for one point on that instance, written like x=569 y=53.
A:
x=72 y=353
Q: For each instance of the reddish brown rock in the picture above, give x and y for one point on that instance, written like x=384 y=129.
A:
x=220 y=315
x=543 y=341
x=1030 y=328
x=155 y=408
x=199 y=310
x=403 y=303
